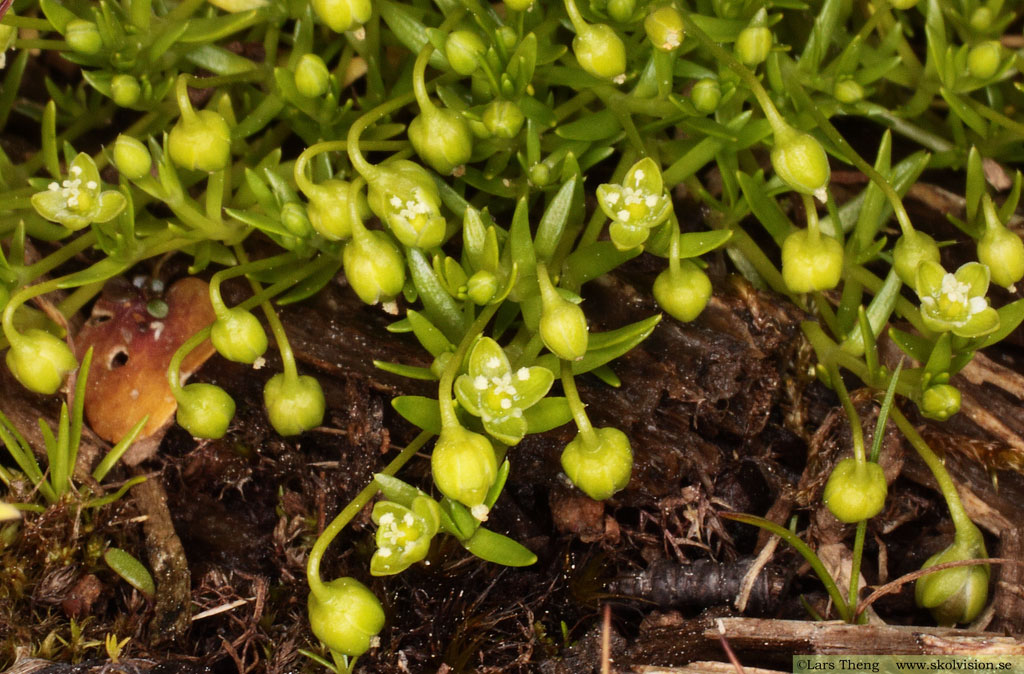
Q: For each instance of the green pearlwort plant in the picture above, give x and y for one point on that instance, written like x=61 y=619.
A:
x=468 y=170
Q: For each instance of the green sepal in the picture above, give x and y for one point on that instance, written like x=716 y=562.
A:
x=604 y=347
x=494 y=547
x=420 y=411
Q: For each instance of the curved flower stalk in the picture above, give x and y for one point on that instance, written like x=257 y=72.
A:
x=496 y=394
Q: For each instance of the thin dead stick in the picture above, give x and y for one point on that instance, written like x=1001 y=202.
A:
x=728 y=649
x=606 y=641
x=895 y=585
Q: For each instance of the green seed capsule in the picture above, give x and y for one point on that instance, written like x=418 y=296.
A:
x=910 y=251
x=312 y=78
x=464 y=466
x=343 y=15
x=504 y=119
x=753 y=45
x=983 y=60
x=131 y=157
x=621 y=11
x=810 y=264
x=125 y=90
x=684 y=292
x=959 y=594
x=848 y=91
x=903 y=4
x=83 y=36
x=40 y=361
x=981 y=19
x=374 y=267
x=238 y=336
x=519 y=5
x=1003 y=252
x=205 y=410
x=201 y=142
x=563 y=329
x=345 y=616
x=855 y=491
x=441 y=137
x=294 y=405
x=664 y=28
x=602 y=470
x=800 y=161
x=940 y=402
x=329 y=212
x=600 y=51
x=463 y=49
x=706 y=95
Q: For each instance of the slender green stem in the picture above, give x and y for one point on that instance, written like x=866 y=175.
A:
x=241 y=270
x=579 y=412
x=350 y=511
x=41 y=25
x=188 y=113
x=859 y=453
x=291 y=370
x=59 y=256
x=419 y=84
x=33 y=43
x=858 y=554
x=578 y=23
x=355 y=152
x=174 y=369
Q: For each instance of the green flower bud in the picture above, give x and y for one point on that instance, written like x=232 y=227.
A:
x=1000 y=249
x=205 y=410
x=621 y=11
x=910 y=251
x=563 y=329
x=600 y=52
x=405 y=196
x=131 y=157
x=940 y=402
x=345 y=616
x=508 y=37
x=343 y=15
x=481 y=287
x=855 y=491
x=238 y=336
x=848 y=90
x=40 y=361
x=463 y=49
x=753 y=45
x=519 y=5
x=955 y=595
x=603 y=469
x=504 y=119
x=983 y=59
x=83 y=36
x=200 y=141
x=441 y=137
x=125 y=90
x=664 y=27
x=295 y=220
x=464 y=467
x=705 y=95
x=811 y=263
x=329 y=212
x=981 y=19
x=683 y=292
x=374 y=267
x=312 y=78
x=540 y=174
x=801 y=162
x=294 y=405
x=903 y=4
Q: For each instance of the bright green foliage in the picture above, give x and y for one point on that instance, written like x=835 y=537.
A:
x=464 y=467
x=600 y=468
x=40 y=361
x=403 y=534
x=811 y=263
x=492 y=391
x=294 y=404
x=79 y=200
x=205 y=410
x=855 y=490
x=345 y=615
x=956 y=302
x=237 y=335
